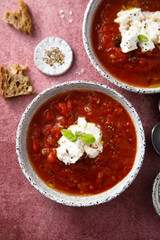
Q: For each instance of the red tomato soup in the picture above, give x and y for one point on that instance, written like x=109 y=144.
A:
x=87 y=175
x=134 y=68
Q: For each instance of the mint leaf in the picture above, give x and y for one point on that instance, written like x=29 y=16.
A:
x=67 y=134
x=74 y=139
x=88 y=138
x=142 y=38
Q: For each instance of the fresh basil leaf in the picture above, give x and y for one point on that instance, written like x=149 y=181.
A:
x=142 y=38
x=67 y=133
x=74 y=139
x=88 y=138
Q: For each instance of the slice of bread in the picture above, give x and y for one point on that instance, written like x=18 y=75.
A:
x=14 y=82
x=21 y=19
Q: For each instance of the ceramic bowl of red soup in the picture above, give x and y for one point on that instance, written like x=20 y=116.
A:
x=80 y=143
x=122 y=40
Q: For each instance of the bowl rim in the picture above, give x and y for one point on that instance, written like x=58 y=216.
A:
x=99 y=67
x=78 y=201
x=156 y=202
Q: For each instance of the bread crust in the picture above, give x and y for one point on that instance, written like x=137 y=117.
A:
x=14 y=82
x=21 y=19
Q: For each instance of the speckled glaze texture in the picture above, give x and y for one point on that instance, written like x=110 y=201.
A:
x=61 y=197
x=156 y=193
x=87 y=22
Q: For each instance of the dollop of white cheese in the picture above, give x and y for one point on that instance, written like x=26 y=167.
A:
x=70 y=152
x=133 y=23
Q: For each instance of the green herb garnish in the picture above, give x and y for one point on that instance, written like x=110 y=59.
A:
x=86 y=138
x=69 y=135
x=74 y=139
x=142 y=38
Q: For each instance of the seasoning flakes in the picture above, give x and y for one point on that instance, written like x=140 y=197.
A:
x=53 y=56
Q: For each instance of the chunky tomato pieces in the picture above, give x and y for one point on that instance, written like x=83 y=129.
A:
x=86 y=176
x=134 y=68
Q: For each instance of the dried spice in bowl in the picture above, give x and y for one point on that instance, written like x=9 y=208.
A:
x=55 y=55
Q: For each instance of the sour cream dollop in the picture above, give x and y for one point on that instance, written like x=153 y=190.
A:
x=133 y=23
x=70 y=152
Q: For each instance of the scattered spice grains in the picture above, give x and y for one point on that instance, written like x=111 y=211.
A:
x=53 y=56
x=62 y=15
x=81 y=72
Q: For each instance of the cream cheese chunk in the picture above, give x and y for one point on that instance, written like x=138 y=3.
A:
x=134 y=23
x=70 y=152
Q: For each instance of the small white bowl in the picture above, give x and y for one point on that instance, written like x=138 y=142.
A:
x=65 y=198
x=48 y=44
x=87 y=23
x=156 y=194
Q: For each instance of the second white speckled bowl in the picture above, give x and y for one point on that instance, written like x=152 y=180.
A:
x=156 y=194
x=65 y=198
x=87 y=23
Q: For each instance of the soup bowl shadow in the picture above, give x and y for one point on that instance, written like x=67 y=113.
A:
x=86 y=33
x=33 y=178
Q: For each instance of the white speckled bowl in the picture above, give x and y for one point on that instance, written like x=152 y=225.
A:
x=155 y=197
x=87 y=23
x=39 y=184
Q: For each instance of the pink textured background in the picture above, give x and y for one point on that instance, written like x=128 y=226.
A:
x=26 y=214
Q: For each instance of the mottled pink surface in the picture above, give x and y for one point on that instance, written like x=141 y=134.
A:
x=26 y=214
